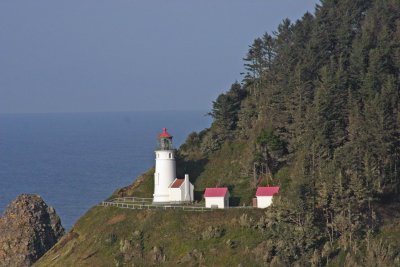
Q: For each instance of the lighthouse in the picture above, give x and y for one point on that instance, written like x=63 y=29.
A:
x=165 y=171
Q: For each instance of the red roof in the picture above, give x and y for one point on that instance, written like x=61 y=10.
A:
x=177 y=183
x=267 y=191
x=164 y=134
x=216 y=192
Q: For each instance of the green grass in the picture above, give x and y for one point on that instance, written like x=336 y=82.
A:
x=142 y=187
x=224 y=168
x=178 y=232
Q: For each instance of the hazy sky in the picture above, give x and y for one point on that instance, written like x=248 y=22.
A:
x=119 y=55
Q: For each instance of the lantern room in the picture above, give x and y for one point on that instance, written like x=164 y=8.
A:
x=165 y=141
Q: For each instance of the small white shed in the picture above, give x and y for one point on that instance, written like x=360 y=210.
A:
x=181 y=190
x=264 y=195
x=217 y=197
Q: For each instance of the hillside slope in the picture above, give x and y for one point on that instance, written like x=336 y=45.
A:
x=109 y=236
x=119 y=237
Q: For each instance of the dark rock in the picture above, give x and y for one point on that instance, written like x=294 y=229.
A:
x=231 y=243
x=129 y=249
x=110 y=239
x=126 y=249
x=212 y=232
x=157 y=255
x=264 y=252
x=246 y=221
x=138 y=234
x=192 y=259
x=28 y=228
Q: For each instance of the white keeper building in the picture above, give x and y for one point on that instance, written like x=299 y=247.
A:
x=264 y=196
x=217 y=197
x=181 y=190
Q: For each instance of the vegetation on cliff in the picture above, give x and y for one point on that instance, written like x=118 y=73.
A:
x=120 y=237
x=317 y=113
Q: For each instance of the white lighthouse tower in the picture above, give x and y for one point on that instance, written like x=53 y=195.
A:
x=165 y=172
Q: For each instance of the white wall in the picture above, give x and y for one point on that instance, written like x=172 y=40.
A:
x=191 y=189
x=218 y=201
x=164 y=174
x=178 y=194
x=188 y=189
x=191 y=192
x=175 y=194
x=263 y=201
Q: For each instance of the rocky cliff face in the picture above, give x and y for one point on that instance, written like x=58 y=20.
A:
x=28 y=228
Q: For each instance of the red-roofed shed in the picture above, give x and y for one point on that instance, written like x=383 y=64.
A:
x=216 y=192
x=267 y=191
x=217 y=197
x=264 y=195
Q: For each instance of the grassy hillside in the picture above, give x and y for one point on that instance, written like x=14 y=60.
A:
x=119 y=237
x=109 y=236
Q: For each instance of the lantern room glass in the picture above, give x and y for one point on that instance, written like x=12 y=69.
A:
x=165 y=144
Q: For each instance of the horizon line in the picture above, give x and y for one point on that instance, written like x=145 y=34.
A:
x=106 y=111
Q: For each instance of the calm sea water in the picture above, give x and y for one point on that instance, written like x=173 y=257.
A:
x=76 y=160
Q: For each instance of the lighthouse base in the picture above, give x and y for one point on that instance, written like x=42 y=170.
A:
x=160 y=198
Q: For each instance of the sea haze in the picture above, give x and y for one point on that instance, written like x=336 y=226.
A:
x=76 y=160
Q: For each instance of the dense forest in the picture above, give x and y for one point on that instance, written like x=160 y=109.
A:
x=319 y=110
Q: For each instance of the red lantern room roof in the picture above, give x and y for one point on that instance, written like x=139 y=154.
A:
x=164 y=134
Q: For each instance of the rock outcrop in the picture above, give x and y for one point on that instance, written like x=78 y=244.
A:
x=28 y=228
x=212 y=232
x=192 y=259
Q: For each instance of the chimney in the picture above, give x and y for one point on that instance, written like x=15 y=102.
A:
x=187 y=188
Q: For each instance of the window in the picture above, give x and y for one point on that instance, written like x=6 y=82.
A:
x=169 y=155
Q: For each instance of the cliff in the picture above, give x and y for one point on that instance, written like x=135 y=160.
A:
x=28 y=228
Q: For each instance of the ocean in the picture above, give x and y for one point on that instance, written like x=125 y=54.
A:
x=75 y=160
